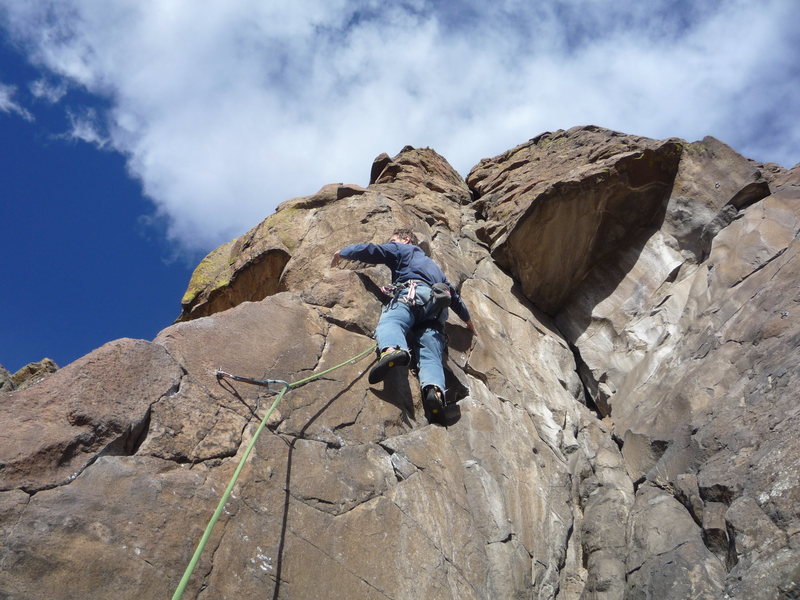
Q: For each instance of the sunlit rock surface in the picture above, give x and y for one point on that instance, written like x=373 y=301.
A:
x=626 y=419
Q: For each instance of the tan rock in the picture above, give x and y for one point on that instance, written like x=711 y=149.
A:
x=98 y=405
x=569 y=199
x=292 y=248
x=640 y=441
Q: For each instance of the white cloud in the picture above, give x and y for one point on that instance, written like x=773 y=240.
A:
x=9 y=105
x=226 y=111
x=86 y=127
x=48 y=91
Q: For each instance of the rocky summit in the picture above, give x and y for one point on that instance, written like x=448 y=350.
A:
x=626 y=423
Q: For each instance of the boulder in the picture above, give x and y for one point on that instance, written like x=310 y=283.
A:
x=99 y=405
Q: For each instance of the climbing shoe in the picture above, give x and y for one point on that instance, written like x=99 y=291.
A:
x=433 y=403
x=389 y=358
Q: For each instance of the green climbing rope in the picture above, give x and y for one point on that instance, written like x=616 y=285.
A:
x=228 y=490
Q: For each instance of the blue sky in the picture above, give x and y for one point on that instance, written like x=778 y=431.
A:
x=140 y=134
x=81 y=266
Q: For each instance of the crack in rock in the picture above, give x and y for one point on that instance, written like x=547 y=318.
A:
x=339 y=562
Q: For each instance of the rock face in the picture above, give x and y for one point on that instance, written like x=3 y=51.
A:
x=627 y=417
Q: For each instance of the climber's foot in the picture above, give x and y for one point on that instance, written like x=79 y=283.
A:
x=391 y=357
x=433 y=403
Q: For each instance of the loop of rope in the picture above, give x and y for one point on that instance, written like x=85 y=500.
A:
x=229 y=489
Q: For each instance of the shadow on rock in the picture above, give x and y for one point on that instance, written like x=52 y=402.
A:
x=397 y=392
x=288 y=484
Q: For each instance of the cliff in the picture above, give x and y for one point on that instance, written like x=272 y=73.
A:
x=627 y=415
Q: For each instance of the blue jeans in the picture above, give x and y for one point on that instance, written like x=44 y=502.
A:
x=396 y=327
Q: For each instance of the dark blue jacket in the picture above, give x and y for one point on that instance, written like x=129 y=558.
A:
x=406 y=262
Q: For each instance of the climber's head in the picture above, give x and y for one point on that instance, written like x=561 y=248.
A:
x=404 y=236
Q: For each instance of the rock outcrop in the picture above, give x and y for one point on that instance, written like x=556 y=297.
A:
x=626 y=418
x=6 y=383
x=27 y=375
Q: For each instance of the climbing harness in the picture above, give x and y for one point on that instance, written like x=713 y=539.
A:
x=396 y=289
x=439 y=298
x=228 y=490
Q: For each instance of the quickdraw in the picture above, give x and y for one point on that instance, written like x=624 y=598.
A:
x=220 y=374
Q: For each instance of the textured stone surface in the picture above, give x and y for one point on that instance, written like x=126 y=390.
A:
x=33 y=372
x=566 y=200
x=6 y=383
x=627 y=417
x=98 y=405
x=27 y=375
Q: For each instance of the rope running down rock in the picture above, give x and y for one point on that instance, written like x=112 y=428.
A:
x=228 y=490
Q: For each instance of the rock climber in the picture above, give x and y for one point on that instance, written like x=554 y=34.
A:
x=415 y=316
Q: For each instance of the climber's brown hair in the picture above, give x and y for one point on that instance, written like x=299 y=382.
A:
x=406 y=233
